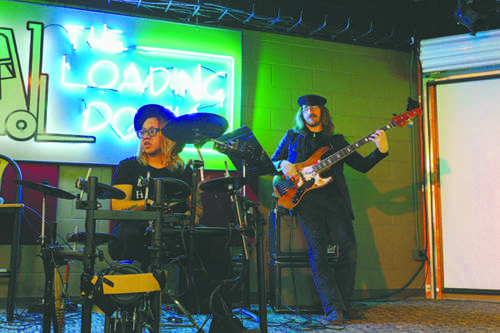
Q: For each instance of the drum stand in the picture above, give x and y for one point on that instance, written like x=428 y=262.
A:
x=245 y=151
x=53 y=308
x=242 y=204
x=50 y=310
x=197 y=169
x=242 y=209
x=160 y=199
x=156 y=246
x=54 y=302
x=89 y=287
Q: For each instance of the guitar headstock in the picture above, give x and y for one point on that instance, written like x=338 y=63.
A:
x=414 y=110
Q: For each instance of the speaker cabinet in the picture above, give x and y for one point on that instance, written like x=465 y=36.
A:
x=291 y=285
x=286 y=239
x=292 y=288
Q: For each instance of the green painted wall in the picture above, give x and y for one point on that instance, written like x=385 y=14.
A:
x=364 y=87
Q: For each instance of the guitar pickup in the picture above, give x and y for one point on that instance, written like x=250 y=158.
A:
x=301 y=190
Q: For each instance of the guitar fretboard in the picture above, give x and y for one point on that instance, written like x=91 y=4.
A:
x=346 y=151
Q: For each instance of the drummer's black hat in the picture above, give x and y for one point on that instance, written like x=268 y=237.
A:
x=151 y=111
x=311 y=100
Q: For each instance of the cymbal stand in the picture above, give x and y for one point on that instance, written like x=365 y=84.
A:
x=242 y=218
x=197 y=168
x=261 y=279
x=156 y=262
x=48 y=258
x=240 y=211
x=241 y=145
x=49 y=301
x=261 y=282
x=86 y=286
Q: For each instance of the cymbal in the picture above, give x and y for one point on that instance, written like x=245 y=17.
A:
x=46 y=189
x=104 y=191
x=225 y=184
x=100 y=238
x=194 y=127
x=172 y=188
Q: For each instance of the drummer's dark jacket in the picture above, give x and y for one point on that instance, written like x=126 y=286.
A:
x=132 y=172
x=298 y=146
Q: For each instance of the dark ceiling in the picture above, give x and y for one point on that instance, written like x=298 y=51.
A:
x=390 y=24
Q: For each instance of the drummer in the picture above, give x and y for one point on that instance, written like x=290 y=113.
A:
x=158 y=157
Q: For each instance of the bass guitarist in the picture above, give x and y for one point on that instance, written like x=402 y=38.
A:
x=325 y=211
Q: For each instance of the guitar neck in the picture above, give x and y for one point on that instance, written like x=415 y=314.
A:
x=346 y=151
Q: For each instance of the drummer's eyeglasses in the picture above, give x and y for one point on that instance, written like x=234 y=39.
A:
x=151 y=132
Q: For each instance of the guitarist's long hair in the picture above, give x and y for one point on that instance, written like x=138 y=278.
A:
x=326 y=121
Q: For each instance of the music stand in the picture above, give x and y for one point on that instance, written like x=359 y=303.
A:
x=247 y=155
x=245 y=152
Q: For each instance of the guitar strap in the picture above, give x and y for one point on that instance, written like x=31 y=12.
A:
x=320 y=140
x=331 y=141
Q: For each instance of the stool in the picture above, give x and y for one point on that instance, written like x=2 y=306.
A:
x=13 y=210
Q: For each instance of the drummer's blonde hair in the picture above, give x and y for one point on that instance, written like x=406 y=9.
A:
x=169 y=150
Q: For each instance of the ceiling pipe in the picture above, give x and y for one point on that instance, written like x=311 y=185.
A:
x=223 y=14
x=252 y=14
x=320 y=28
x=364 y=34
x=167 y=7
x=196 y=9
x=296 y=24
x=380 y=41
x=277 y=19
x=341 y=31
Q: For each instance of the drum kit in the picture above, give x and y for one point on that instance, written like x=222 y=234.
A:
x=196 y=129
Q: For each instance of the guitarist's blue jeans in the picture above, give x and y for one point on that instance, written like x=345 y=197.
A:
x=334 y=279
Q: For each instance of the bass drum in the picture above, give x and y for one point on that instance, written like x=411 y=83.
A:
x=109 y=303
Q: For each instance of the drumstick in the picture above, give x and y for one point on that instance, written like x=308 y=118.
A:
x=147 y=191
x=86 y=178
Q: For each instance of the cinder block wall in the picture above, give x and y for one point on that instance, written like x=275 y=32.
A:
x=364 y=87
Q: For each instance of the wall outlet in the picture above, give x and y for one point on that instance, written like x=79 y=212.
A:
x=419 y=255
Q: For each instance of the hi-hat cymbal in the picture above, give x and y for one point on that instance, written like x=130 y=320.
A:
x=195 y=127
x=46 y=189
x=225 y=184
x=104 y=191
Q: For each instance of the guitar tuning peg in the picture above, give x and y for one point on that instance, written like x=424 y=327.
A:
x=394 y=114
x=410 y=123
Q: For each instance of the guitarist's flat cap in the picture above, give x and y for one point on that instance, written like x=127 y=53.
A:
x=311 y=100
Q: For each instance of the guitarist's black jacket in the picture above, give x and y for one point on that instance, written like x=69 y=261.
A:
x=298 y=146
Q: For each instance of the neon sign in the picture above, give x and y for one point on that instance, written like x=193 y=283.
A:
x=86 y=81
x=187 y=81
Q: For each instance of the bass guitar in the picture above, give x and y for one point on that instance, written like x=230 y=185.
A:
x=289 y=194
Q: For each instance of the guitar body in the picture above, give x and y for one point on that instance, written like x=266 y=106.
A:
x=288 y=194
